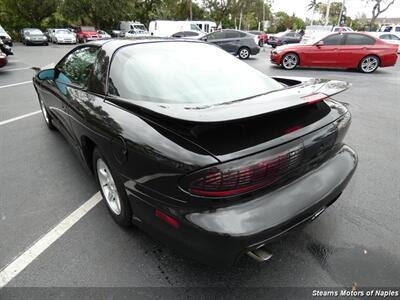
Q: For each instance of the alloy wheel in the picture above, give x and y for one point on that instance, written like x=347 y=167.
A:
x=108 y=187
x=244 y=53
x=290 y=61
x=369 y=64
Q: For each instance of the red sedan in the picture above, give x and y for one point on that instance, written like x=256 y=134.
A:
x=338 y=50
x=3 y=59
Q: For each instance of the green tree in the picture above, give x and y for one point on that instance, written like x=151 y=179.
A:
x=334 y=11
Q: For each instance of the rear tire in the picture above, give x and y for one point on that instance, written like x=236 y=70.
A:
x=260 y=43
x=244 y=53
x=369 y=64
x=112 y=189
x=290 y=61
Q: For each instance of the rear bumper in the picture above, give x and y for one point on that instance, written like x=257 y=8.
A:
x=255 y=50
x=36 y=42
x=222 y=236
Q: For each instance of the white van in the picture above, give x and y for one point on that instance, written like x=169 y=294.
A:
x=205 y=26
x=164 y=28
x=390 y=28
x=131 y=26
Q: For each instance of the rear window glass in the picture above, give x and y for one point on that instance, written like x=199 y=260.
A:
x=359 y=39
x=173 y=72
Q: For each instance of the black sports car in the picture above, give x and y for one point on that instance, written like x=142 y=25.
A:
x=196 y=147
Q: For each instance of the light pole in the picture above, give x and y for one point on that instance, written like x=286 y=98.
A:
x=341 y=13
x=328 y=8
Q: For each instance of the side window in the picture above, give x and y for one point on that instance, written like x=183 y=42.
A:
x=385 y=37
x=232 y=34
x=77 y=66
x=190 y=33
x=394 y=37
x=336 y=29
x=336 y=39
x=397 y=29
x=216 y=35
x=178 y=34
x=359 y=39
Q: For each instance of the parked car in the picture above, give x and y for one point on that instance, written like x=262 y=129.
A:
x=64 y=36
x=388 y=38
x=284 y=38
x=49 y=34
x=262 y=37
x=117 y=33
x=5 y=37
x=103 y=35
x=166 y=28
x=33 y=36
x=86 y=34
x=188 y=34
x=390 y=28
x=3 y=59
x=345 y=50
x=136 y=33
x=235 y=42
x=135 y=28
x=213 y=163
x=7 y=50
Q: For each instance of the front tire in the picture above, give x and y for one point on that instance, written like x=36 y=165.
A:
x=244 y=53
x=369 y=64
x=112 y=190
x=290 y=61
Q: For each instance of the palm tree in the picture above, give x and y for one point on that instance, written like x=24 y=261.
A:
x=312 y=5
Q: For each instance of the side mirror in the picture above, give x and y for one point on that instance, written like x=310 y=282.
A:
x=204 y=38
x=46 y=74
x=320 y=43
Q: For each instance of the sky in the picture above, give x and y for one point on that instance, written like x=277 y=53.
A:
x=354 y=7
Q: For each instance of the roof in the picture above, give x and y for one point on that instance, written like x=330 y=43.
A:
x=113 y=44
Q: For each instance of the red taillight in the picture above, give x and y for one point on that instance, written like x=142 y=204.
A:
x=230 y=181
x=171 y=221
x=314 y=98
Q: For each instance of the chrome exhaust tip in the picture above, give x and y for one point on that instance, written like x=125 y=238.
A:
x=259 y=254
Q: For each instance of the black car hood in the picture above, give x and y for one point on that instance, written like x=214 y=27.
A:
x=288 y=96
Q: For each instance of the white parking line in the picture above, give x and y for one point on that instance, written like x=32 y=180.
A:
x=19 y=118
x=23 y=260
x=17 y=69
x=15 y=84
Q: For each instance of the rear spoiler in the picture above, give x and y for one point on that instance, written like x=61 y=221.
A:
x=298 y=91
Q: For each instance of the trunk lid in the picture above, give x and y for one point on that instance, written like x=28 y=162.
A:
x=235 y=129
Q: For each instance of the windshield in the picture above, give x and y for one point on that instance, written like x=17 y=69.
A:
x=139 y=28
x=2 y=30
x=88 y=28
x=33 y=31
x=191 y=73
x=63 y=31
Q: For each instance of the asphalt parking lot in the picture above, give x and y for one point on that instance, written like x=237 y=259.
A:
x=356 y=241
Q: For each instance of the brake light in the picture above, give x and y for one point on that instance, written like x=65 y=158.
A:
x=314 y=98
x=225 y=180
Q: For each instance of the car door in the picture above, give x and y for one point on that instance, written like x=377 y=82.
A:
x=324 y=53
x=232 y=41
x=355 y=47
x=69 y=84
x=289 y=38
x=217 y=38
